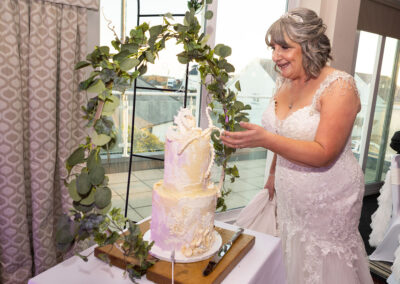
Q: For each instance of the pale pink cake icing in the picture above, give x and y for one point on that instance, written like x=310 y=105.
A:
x=184 y=202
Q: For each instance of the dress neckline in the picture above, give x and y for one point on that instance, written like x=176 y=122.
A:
x=321 y=87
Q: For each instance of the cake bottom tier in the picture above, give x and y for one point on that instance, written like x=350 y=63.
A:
x=183 y=221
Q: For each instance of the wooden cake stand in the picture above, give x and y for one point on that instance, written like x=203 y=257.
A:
x=185 y=273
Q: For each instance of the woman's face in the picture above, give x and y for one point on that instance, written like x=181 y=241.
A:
x=289 y=59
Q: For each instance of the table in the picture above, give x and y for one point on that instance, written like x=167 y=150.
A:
x=262 y=264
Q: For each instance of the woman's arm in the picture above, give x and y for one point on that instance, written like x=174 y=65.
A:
x=339 y=107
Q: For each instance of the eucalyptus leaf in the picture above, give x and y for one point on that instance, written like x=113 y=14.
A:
x=169 y=16
x=88 y=200
x=83 y=184
x=104 y=125
x=237 y=85
x=100 y=139
x=121 y=55
x=96 y=87
x=110 y=105
x=155 y=30
x=105 y=49
x=77 y=157
x=73 y=192
x=142 y=69
x=130 y=47
x=82 y=208
x=128 y=63
x=96 y=175
x=222 y=50
x=208 y=15
x=93 y=160
x=106 y=209
x=102 y=197
x=182 y=59
x=150 y=56
x=81 y=64
x=64 y=236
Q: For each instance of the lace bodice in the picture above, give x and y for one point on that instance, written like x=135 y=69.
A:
x=317 y=207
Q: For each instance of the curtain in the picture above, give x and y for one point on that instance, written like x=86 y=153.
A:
x=40 y=125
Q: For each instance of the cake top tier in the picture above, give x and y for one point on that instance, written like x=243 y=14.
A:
x=189 y=154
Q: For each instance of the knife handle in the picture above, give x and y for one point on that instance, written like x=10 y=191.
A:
x=236 y=235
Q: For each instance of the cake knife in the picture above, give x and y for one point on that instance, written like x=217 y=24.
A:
x=221 y=252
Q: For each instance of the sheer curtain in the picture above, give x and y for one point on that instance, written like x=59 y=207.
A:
x=40 y=124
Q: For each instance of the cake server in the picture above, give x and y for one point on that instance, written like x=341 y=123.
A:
x=221 y=252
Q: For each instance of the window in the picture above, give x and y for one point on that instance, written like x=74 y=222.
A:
x=377 y=80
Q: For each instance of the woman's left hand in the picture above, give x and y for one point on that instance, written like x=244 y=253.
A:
x=253 y=136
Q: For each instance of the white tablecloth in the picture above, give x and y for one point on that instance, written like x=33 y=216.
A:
x=262 y=264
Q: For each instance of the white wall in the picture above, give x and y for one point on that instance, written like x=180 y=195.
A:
x=341 y=17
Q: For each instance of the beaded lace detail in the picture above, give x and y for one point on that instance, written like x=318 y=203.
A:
x=318 y=208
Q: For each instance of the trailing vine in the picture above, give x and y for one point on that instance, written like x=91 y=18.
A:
x=92 y=216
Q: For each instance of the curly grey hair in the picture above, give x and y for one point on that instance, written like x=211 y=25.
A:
x=303 y=26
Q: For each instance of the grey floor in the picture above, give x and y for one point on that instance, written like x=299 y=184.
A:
x=243 y=189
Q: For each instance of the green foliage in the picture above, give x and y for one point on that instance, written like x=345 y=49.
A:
x=92 y=216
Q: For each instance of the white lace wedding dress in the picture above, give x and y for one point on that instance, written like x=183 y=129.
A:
x=319 y=208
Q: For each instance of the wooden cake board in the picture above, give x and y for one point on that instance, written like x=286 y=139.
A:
x=185 y=273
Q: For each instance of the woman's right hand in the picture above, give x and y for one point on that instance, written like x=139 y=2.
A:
x=270 y=185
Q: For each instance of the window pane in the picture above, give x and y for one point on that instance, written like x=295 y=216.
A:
x=367 y=46
x=243 y=28
x=375 y=161
x=162 y=7
x=394 y=121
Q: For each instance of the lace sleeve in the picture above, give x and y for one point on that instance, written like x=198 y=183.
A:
x=335 y=81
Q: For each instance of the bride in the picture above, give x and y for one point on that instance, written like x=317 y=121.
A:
x=318 y=183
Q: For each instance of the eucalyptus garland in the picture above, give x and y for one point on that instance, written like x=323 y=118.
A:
x=92 y=216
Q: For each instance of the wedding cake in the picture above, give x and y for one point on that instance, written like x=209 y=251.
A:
x=184 y=202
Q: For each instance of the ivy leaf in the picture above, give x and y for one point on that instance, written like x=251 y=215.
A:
x=81 y=64
x=102 y=197
x=222 y=50
x=128 y=63
x=96 y=87
x=83 y=184
x=209 y=1
x=208 y=15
